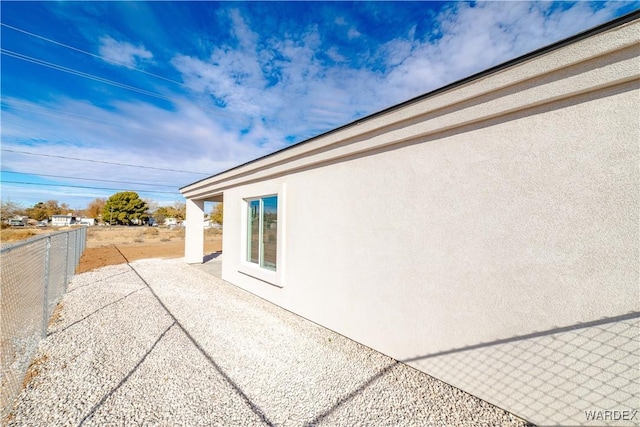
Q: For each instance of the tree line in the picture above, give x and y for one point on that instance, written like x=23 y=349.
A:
x=123 y=208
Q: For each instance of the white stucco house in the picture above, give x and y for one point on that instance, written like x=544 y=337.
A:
x=171 y=222
x=486 y=233
x=86 y=221
x=62 y=220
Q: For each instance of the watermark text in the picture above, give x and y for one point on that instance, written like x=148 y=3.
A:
x=600 y=415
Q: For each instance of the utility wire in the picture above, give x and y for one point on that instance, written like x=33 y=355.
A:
x=91 y=188
x=82 y=74
x=37 y=109
x=46 y=111
x=101 y=161
x=88 y=179
x=91 y=54
x=28 y=106
x=67 y=115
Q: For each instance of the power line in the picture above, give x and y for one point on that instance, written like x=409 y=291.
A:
x=82 y=74
x=67 y=115
x=27 y=106
x=92 y=54
x=87 y=179
x=87 y=187
x=102 y=161
x=38 y=109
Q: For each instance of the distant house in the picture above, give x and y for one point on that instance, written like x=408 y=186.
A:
x=86 y=221
x=170 y=222
x=62 y=220
x=17 y=221
x=485 y=233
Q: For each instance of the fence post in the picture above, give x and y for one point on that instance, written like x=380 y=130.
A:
x=45 y=294
x=69 y=258
x=79 y=248
x=75 y=254
x=66 y=261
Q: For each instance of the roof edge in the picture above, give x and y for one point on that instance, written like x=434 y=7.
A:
x=510 y=63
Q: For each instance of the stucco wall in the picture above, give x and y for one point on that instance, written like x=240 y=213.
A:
x=487 y=235
x=522 y=225
x=518 y=225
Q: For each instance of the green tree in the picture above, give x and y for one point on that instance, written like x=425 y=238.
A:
x=216 y=214
x=44 y=210
x=125 y=208
x=37 y=212
x=162 y=213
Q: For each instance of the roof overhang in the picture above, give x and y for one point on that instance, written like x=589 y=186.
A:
x=548 y=75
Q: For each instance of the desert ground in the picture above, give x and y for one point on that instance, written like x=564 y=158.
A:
x=117 y=245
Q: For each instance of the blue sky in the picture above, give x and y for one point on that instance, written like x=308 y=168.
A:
x=188 y=89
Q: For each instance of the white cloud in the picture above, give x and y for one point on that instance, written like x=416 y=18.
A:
x=241 y=30
x=282 y=84
x=335 y=55
x=135 y=133
x=252 y=94
x=340 y=20
x=474 y=38
x=123 y=53
x=353 y=33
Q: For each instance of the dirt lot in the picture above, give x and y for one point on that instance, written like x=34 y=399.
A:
x=116 y=245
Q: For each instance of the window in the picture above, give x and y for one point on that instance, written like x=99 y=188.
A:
x=262 y=250
x=262 y=232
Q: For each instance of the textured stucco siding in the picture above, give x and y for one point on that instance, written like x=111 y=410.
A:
x=488 y=236
x=524 y=225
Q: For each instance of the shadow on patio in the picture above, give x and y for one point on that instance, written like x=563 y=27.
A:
x=159 y=342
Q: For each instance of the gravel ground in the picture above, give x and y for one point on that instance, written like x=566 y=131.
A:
x=159 y=342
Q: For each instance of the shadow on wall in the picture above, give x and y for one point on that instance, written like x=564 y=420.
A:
x=584 y=374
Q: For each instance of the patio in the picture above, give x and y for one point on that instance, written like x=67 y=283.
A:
x=160 y=342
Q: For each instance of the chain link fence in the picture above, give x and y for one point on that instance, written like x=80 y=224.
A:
x=35 y=274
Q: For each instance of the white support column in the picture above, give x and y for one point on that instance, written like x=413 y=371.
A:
x=194 y=233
